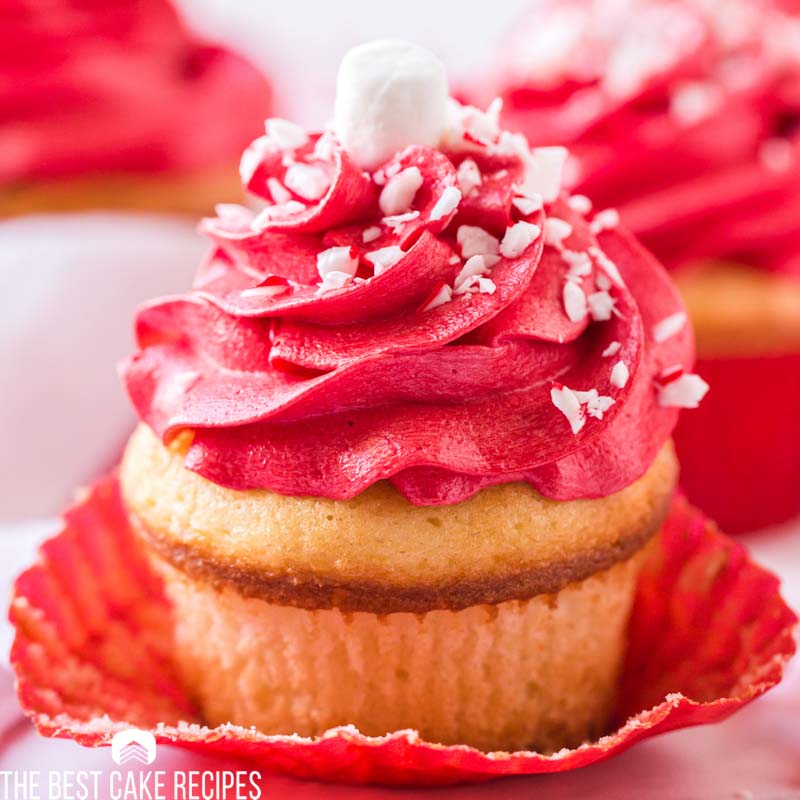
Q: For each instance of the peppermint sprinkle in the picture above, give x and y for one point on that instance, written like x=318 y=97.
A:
x=441 y=294
x=574 y=302
x=469 y=176
x=446 y=204
x=475 y=241
x=605 y=220
x=518 y=238
x=287 y=135
x=266 y=291
x=596 y=404
x=601 y=305
x=398 y=194
x=564 y=399
x=556 y=230
x=486 y=286
x=685 y=391
x=620 y=375
x=397 y=220
x=612 y=349
x=337 y=259
x=280 y=194
x=544 y=168
x=334 y=280
x=310 y=183
x=669 y=326
x=384 y=258
x=580 y=203
x=476 y=266
x=253 y=156
x=370 y=234
x=276 y=212
x=607 y=265
x=527 y=205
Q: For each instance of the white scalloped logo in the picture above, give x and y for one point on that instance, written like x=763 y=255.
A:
x=133 y=745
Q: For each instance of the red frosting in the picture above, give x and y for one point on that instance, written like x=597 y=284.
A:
x=92 y=85
x=311 y=392
x=684 y=115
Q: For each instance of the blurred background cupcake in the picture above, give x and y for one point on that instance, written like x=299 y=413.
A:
x=684 y=116
x=119 y=105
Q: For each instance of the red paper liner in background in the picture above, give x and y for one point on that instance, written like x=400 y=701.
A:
x=740 y=450
x=93 y=642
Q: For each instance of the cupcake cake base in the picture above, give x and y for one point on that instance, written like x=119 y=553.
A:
x=448 y=620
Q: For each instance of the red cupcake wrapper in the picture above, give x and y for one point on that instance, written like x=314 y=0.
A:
x=92 y=656
x=740 y=450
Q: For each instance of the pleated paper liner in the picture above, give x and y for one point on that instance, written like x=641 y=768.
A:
x=93 y=646
x=740 y=450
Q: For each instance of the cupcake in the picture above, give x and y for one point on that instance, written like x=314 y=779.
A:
x=405 y=444
x=685 y=118
x=118 y=105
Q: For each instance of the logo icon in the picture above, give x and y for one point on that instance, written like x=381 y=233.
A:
x=133 y=745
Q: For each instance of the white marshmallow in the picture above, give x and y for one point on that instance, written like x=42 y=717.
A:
x=389 y=94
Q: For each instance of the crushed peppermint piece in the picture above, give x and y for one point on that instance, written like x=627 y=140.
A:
x=384 y=258
x=574 y=301
x=486 y=286
x=602 y=282
x=266 y=215
x=565 y=400
x=685 y=391
x=323 y=149
x=578 y=262
x=337 y=259
x=596 y=403
x=669 y=326
x=604 y=220
x=475 y=267
x=527 y=205
x=620 y=375
x=397 y=220
x=287 y=135
x=280 y=194
x=440 y=295
x=612 y=349
x=233 y=215
x=265 y=291
x=556 y=230
x=543 y=171
x=370 y=234
x=469 y=176
x=475 y=241
x=580 y=203
x=253 y=156
x=607 y=265
x=398 y=194
x=308 y=182
x=453 y=260
x=601 y=305
x=334 y=280
x=446 y=204
x=518 y=238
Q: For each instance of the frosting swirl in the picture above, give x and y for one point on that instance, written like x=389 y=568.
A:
x=683 y=114
x=446 y=322
x=122 y=86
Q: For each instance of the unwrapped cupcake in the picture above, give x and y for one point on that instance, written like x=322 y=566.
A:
x=405 y=444
x=118 y=105
x=684 y=116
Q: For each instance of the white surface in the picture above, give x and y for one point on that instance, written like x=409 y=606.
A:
x=70 y=285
